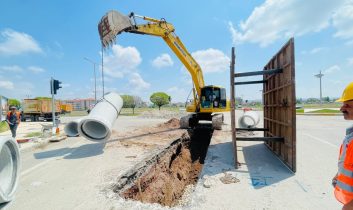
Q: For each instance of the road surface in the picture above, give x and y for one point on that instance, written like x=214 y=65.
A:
x=75 y=173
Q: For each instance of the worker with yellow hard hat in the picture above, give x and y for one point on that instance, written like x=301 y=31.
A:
x=343 y=181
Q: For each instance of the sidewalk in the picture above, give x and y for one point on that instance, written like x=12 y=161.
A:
x=26 y=128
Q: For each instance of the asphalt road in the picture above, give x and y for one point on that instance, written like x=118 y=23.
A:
x=72 y=174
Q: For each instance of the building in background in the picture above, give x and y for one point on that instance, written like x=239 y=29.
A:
x=80 y=104
x=4 y=107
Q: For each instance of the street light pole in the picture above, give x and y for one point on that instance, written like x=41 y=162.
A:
x=95 y=78
x=320 y=75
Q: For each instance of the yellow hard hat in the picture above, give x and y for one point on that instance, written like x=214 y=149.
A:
x=347 y=93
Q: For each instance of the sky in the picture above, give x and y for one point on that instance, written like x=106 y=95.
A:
x=43 y=39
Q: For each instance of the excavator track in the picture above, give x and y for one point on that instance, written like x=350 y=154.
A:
x=192 y=120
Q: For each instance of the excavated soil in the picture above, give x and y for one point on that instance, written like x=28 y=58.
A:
x=148 y=137
x=163 y=177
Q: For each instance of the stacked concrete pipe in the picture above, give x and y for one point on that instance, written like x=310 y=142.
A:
x=97 y=126
x=71 y=129
x=248 y=120
x=9 y=168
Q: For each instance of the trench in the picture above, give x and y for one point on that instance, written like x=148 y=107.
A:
x=163 y=177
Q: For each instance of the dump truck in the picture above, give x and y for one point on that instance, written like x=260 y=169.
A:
x=66 y=108
x=39 y=109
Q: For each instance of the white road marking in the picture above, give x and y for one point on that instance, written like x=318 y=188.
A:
x=25 y=172
x=320 y=140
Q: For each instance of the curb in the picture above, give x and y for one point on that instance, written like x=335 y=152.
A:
x=320 y=114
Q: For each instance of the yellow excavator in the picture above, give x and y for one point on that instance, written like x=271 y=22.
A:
x=208 y=100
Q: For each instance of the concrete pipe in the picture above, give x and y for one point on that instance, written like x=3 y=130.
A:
x=97 y=126
x=9 y=168
x=248 y=120
x=71 y=129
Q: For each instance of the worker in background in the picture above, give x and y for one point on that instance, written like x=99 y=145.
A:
x=343 y=181
x=13 y=119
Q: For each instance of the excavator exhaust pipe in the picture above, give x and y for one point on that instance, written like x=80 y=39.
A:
x=112 y=24
x=97 y=126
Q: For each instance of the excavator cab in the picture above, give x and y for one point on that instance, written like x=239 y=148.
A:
x=213 y=97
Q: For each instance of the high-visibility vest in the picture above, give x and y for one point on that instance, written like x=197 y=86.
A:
x=18 y=116
x=344 y=185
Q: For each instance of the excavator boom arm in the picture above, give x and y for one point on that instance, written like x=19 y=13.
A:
x=114 y=23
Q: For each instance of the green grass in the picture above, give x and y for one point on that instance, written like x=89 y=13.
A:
x=4 y=126
x=138 y=111
x=33 y=134
x=75 y=113
x=325 y=111
x=318 y=106
x=124 y=111
x=299 y=110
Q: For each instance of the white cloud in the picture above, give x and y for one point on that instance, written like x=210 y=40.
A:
x=15 y=43
x=332 y=69
x=343 y=21
x=121 y=61
x=137 y=83
x=212 y=60
x=65 y=85
x=36 y=69
x=350 y=61
x=178 y=94
x=173 y=89
x=314 y=50
x=163 y=60
x=7 y=85
x=277 y=19
x=14 y=68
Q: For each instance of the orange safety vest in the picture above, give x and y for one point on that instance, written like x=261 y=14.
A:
x=344 y=185
x=18 y=115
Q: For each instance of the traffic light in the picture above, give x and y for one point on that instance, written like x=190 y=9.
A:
x=54 y=86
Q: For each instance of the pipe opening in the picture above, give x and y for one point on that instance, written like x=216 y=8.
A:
x=71 y=129
x=249 y=121
x=8 y=169
x=94 y=130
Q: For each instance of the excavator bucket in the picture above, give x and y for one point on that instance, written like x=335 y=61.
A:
x=112 y=24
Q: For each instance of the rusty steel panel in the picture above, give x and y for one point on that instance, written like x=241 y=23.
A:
x=279 y=105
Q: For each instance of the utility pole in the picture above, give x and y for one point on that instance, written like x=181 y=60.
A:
x=54 y=86
x=320 y=75
x=52 y=103
x=103 y=69
x=95 y=78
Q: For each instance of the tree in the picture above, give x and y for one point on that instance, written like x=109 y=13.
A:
x=299 y=100
x=159 y=99
x=131 y=102
x=326 y=99
x=14 y=102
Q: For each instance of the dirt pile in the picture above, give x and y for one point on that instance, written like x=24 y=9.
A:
x=164 y=114
x=172 y=123
x=148 y=136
